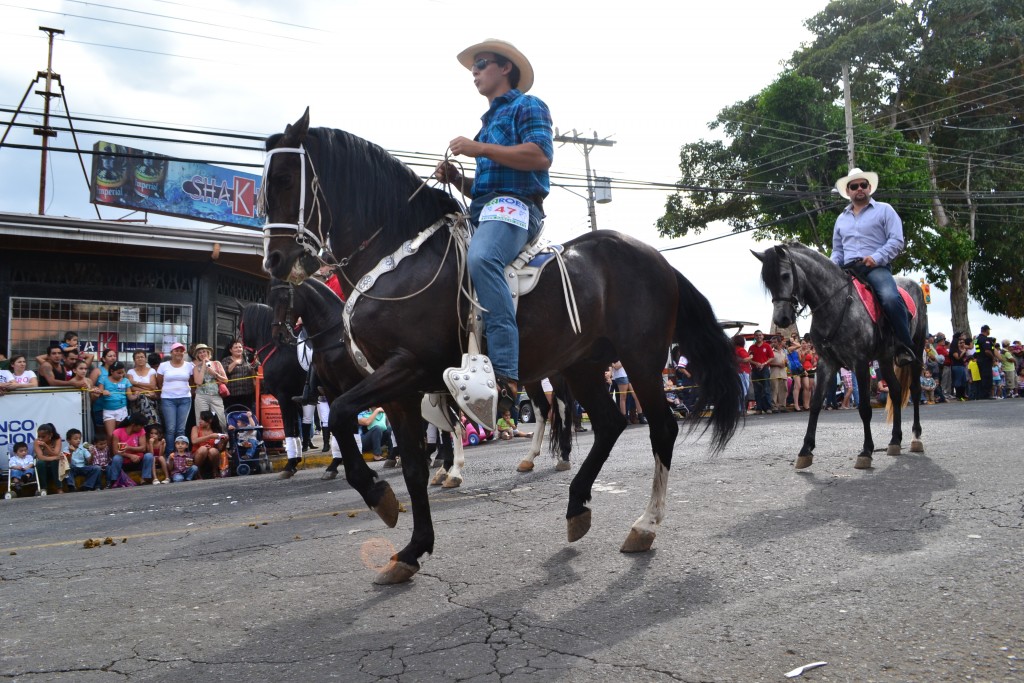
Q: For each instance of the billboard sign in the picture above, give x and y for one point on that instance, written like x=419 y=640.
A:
x=136 y=179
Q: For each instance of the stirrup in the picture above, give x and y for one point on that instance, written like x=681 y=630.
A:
x=474 y=388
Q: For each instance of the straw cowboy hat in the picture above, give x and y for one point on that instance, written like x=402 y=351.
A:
x=506 y=50
x=856 y=173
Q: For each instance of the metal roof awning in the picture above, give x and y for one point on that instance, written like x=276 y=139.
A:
x=230 y=246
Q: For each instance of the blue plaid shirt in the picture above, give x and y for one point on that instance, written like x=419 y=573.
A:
x=513 y=119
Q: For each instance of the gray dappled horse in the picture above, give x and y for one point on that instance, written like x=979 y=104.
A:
x=845 y=336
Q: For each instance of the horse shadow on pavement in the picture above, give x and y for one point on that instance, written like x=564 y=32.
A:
x=887 y=510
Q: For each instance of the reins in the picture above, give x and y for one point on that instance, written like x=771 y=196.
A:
x=826 y=340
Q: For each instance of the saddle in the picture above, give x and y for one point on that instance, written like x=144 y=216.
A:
x=523 y=273
x=472 y=384
x=870 y=299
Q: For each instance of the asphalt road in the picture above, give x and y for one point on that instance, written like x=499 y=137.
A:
x=907 y=572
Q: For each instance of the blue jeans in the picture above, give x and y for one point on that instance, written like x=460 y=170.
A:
x=373 y=440
x=91 y=474
x=494 y=245
x=884 y=284
x=745 y=384
x=117 y=463
x=188 y=475
x=175 y=412
x=762 y=390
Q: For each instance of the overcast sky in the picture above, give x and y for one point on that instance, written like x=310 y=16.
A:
x=649 y=75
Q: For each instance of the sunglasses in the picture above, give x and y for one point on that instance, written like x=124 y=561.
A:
x=481 y=64
x=857 y=186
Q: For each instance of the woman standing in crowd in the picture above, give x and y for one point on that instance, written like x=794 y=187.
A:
x=208 y=375
x=48 y=447
x=18 y=377
x=241 y=375
x=958 y=366
x=143 y=379
x=107 y=358
x=209 y=445
x=172 y=378
x=743 y=365
x=796 y=368
x=809 y=360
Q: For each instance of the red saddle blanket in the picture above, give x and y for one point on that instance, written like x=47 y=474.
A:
x=867 y=297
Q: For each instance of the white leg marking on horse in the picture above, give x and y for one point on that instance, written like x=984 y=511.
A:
x=455 y=473
x=335 y=449
x=293 y=447
x=655 y=511
x=538 y=440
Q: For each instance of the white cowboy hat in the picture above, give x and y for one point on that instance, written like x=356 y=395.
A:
x=506 y=50
x=854 y=174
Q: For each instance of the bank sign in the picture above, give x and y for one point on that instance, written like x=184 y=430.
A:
x=21 y=413
x=137 y=179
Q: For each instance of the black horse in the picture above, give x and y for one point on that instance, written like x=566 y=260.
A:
x=321 y=312
x=323 y=184
x=283 y=376
x=845 y=336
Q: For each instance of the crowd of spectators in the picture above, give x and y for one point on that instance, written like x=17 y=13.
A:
x=139 y=415
x=778 y=375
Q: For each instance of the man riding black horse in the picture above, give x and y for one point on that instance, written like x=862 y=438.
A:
x=868 y=236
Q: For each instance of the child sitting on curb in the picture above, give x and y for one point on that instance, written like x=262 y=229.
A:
x=507 y=427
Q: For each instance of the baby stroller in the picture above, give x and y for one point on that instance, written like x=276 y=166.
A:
x=247 y=450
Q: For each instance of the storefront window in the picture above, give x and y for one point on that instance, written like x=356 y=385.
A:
x=123 y=326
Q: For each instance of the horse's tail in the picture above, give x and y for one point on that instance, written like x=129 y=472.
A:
x=903 y=376
x=560 y=439
x=712 y=362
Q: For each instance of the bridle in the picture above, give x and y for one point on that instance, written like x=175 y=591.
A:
x=791 y=299
x=312 y=244
x=288 y=324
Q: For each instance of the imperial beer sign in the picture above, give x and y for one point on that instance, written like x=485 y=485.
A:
x=136 y=179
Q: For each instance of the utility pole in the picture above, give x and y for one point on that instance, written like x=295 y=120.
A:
x=849 y=116
x=587 y=144
x=46 y=132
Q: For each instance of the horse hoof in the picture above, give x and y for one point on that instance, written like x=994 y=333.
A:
x=893 y=449
x=387 y=508
x=287 y=474
x=637 y=541
x=328 y=475
x=916 y=446
x=563 y=466
x=525 y=466
x=863 y=463
x=438 y=477
x=452 y=483
x=578 y=526
x=395 y=572
x=804 y=461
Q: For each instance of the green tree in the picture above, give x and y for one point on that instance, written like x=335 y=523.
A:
x=936 y=87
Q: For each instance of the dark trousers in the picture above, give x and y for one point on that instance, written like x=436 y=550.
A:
x=882 y=281
x=985 y=368
x=762 y=389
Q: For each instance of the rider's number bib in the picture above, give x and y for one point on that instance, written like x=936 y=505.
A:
x=507 y=210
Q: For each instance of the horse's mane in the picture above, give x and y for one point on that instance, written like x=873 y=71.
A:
x=772 y=270
x=368 y=189
x=256 y=322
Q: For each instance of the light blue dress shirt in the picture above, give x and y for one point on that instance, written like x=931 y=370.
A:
x=876 y=231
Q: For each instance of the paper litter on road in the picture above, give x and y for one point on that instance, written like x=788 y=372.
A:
x=806 y=667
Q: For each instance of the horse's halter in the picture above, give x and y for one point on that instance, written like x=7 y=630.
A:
x=311 y=243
